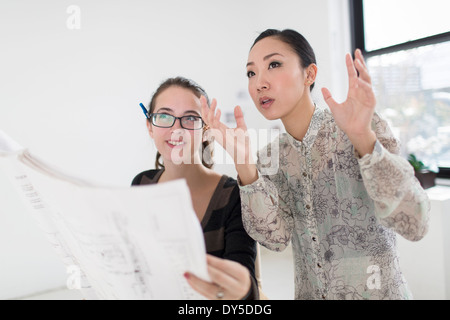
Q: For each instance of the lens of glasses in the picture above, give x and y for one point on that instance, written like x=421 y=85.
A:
x=167 y=121
x=191 y=122
x=163 y=120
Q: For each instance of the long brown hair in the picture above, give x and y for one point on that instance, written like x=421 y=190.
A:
x=198 y=92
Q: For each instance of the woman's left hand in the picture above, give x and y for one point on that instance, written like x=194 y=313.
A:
x=354 y=115
x=230 y=280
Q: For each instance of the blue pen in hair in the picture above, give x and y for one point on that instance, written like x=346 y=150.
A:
x=145 y=111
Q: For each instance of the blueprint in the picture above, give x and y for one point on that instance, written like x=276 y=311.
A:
x=122 y=243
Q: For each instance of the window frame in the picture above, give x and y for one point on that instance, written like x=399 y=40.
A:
x=358 y=42
x=358 y=38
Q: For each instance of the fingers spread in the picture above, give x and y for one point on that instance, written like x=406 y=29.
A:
x=239 y=116
x=205 y=110
x=212 y=111
x=366 y=89
x=350 y=67
x=216 y=121
x=363 y=72
x=359 y=56
x=329 y=99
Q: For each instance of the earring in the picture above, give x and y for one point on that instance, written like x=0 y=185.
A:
x=206 y=134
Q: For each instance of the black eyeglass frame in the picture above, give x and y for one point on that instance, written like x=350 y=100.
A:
x=151 y=117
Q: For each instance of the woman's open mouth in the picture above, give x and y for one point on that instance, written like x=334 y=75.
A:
x=266 y=102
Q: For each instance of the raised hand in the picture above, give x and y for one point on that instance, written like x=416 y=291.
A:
x=235 y=141
x=354 y=115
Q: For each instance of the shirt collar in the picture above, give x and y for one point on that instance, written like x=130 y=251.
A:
x=311 y=133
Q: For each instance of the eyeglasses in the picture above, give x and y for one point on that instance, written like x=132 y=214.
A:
x=164 y=120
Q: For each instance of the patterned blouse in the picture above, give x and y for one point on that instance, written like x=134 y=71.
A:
x=340 y=212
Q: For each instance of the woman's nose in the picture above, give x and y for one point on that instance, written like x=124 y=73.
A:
x=262 y=83
x=177 y=133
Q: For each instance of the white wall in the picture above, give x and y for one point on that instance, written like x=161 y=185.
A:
x=72 y=96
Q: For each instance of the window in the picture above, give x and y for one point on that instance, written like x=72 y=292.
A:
x=407 y=47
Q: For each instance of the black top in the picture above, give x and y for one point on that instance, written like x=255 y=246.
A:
x=223 y=231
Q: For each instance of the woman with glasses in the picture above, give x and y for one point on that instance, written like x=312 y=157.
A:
x=341 y=191
x=175 y=124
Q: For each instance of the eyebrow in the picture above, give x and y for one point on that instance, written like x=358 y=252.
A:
x=170 y=110
x=266 y=57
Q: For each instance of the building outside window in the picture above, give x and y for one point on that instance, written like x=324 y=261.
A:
x=407 y=48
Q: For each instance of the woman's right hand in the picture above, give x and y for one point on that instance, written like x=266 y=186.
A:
x=235 y=141
x=230 y=280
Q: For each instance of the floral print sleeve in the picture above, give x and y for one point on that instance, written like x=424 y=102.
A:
x=399 y=200
x=268 y=218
